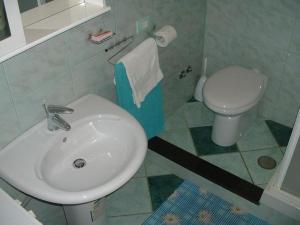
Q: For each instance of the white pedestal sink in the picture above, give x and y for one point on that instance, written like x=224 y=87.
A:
x=102 y=151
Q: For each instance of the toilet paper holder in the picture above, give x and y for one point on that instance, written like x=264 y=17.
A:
x=125 y=39
x=131 y=39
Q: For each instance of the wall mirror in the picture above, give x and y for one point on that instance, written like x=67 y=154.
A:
x=4 y=25
x=33 y=11
x=11 y=28
x=26 y=23
x=25 y=5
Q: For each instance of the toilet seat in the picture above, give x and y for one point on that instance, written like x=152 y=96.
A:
x=233 y=90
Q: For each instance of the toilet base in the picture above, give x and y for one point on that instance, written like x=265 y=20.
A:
x=226 y=130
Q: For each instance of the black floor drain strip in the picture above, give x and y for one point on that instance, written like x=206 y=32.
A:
x=207 y=170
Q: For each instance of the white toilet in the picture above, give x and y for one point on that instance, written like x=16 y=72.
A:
x=230 y=93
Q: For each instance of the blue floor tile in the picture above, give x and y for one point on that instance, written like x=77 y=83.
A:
x=161 y=187
x=131 y=199
x=204 y=145
x=192 y=99
x=280 y=132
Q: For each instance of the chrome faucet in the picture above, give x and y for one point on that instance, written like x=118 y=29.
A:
x=54 y=120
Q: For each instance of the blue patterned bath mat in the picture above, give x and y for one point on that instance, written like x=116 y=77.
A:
x=191 y=205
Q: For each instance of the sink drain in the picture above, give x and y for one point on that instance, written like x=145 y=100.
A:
x=79 y=163
x=266 y=162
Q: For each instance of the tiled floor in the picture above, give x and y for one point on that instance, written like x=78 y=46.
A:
x=191 y=126
x=132 y=204
x=136 y=201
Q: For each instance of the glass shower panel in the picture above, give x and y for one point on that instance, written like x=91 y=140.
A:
x=290 y=184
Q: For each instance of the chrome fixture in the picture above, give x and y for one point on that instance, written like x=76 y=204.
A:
x=54 y=120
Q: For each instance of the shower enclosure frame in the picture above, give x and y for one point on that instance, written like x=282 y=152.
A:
x=273 y=195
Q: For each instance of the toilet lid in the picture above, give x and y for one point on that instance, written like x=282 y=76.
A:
x=233 y=87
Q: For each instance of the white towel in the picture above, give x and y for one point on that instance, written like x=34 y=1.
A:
x=142 y=68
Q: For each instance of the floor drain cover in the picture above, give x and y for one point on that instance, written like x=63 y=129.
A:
x=266 y=162
x=79 y=163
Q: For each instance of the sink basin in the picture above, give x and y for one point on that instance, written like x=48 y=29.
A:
x=102 y=151
x=95 y=151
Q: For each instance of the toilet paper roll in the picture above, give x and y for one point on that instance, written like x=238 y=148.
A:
x=165 y=35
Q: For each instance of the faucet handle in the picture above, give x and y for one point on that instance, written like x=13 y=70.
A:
x=57 y=109
x=46 y=110
x=60 y=123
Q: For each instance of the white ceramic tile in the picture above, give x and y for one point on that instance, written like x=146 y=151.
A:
x=181 y=138
x=258 y=136
x=141 y=172
x=198 y=115
x=152 y=169
x=259 y=174
x=128 y=220
x=48 y=214
x=231 y=162
x=132 y=198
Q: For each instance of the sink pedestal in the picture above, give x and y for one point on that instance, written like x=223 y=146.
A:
x=91 y=213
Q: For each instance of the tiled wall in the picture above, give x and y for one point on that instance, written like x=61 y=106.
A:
x=68 y=66
x=262 y=34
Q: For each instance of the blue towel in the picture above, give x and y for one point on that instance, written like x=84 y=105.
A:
x=150 y=114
